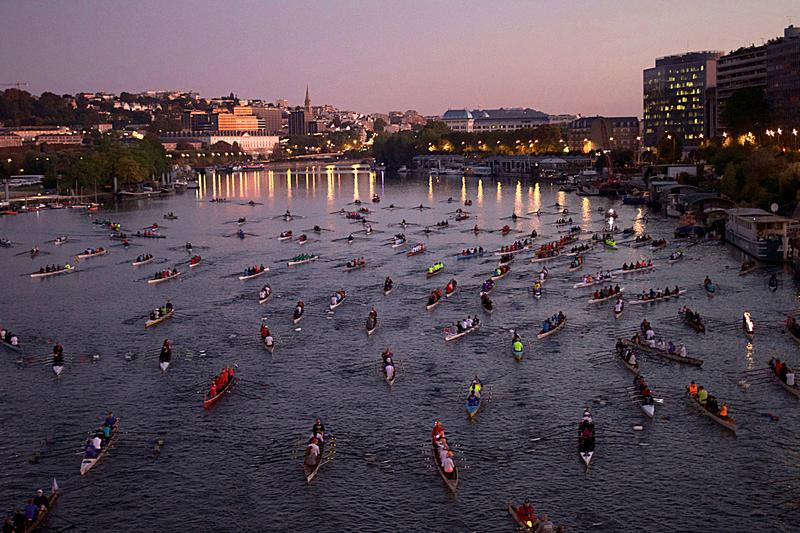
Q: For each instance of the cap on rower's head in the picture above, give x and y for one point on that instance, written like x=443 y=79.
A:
x=39 y=491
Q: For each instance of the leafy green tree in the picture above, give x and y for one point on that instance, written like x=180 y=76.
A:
x=746 y=110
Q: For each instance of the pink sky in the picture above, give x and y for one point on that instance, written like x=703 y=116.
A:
x=567 y=56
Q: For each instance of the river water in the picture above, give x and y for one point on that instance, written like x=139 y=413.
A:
x=232 y=468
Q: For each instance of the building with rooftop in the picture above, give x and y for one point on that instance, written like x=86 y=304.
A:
x=481 y=120
x=675 y=98
x=586 y=134
x=760 y=234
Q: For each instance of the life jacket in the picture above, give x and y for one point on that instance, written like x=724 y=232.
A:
x=723 y=412
x=693 y=389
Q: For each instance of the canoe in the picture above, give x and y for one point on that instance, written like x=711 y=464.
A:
x=42 y=516
x=302 y=261
x=139 y=263
x=160 y=319
x=87 y=256
x=452 y=479
x=454 y=336
x=583 y=284
x=434 y=304
x=386 y=376
x=665 y=354
x=251 y=276
x=337 y=304
x=310 y=471
x=159 y=280
x=374 y=326
x=607 y=298
x=10 y=346
x=54 y=273
x=209 y=401
x=548 y=258
x=621 y=272
x=794 y=391
x=88 y=464
x=472 y=410
x=727 y=424
x=164 y=365
x=658 y=299
x=513 y=512
x=501 y=276
x=542 y=335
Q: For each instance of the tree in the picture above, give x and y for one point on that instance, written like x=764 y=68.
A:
x=128 y=170
x=746 y=110
x=670 y=148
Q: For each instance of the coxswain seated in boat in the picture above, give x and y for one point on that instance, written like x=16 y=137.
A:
x=445 y=455
x=387 y=284
x=265 y=332
x=388 y=364
x=58 y=355
x=298 y=310
x=527 y=514
x=475 y=387
x=166 y=352
x=286 y=234
x=782 y=370
x=435 y=296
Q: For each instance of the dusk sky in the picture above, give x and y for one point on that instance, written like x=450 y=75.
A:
x=558 y=56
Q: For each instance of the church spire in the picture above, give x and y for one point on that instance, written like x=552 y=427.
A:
x=308 y=101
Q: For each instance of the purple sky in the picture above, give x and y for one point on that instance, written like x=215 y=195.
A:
x=558 y=56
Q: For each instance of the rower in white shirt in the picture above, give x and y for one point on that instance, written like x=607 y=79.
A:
x=97 y=442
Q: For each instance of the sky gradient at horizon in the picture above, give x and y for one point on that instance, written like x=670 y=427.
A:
x=570 y=56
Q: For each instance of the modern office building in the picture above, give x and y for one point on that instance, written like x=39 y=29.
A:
x=271 y=117
x=783 y=80
x=676 y=98
x=298 y=122
x=586 y=134
x=741 y=69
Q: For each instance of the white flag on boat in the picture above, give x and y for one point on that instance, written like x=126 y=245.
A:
x=54 y=487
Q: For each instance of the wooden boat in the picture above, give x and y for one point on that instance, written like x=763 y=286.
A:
x=139 y=263
x=449 y=294
x=607 y=298
x=340 y=302
x=192 y=265
x=166 y=278
x=153 y=322
x=546 y=258
x=470 y=256
x=793 y=390
x=747 y=269
x=310 y=471
x=302 y=261
x=633 y=369
x=262 y=300
x=450 y=480
x=697 y=326
x=95 y=254
x=434 y=273
x=10 y=346
x=543 y=334
x=53 y=273
x=728 y=423
x=454 y=336
x=657 y=299
x=245 y=277
x=42 y=516
x=597 y=281
x=374 y=322
x=665 y=354
x=525 y=527
x=621 y=272
x=619 y=314
x=416 y=250
x=208 y=401
x=397 y=244
x=88 y=464
x=434 y=304
x=496 y=277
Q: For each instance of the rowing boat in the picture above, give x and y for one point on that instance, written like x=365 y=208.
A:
x=387 y=291
x=607 y=298
x=87 y=464
x=144 y=262
x=640 y=243
x=618 y=314
x=649 y=409
x=374 y=322
x=416 y=250
x=58 y=369
x=163 y=365
x=436 y=302
x=455 y=287
x=470 y=256
x=543 y=334
x=297 y=317
x=310 y=471
x=586 y=457
x=245 y=277
x=623 y=272
x=633 y=368
x=430 y=274
x=596 y=281
x=793 y=390
x=292 y=262
x=154 y=321
x=665 y=354
x=264 y=299
x=165 y=278
x=93 y=254
x=728 y=423
x=12 y=347
x=676 y=258
x=472 y=410
x=500 y=253
x=525 y=527
x=697 y=326
x=192 y=265
x=208 y=401
x=386 y=375
x=640 y=301
x=503 y=274
x=747 y=269
x=61 y=240
x=43 y=515
x=454 y=336
x=546 y=258
x=450 y=479
x=285 y=237
x=340 y=301
x=53 y=272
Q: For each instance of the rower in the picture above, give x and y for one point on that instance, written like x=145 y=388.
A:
x=447 y=463
x=318 y=429
x=312 y=452
x=702 y=395
x=475 y=387
x=40 y=500
x=526 y=513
